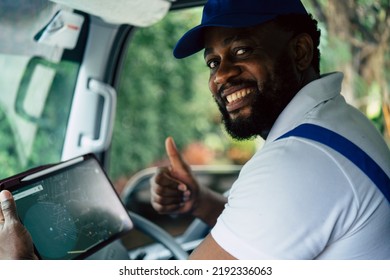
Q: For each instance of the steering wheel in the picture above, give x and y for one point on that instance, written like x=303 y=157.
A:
x=159 y=235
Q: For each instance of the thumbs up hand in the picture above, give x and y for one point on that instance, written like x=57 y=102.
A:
x=174 y=189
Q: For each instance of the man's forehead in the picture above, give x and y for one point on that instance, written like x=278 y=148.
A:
x=238 y=32
x=225 y=41
x=224 y=36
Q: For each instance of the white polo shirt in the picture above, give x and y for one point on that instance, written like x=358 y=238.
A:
x=299 y=199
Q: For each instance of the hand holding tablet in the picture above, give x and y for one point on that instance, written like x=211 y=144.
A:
x=70 y=209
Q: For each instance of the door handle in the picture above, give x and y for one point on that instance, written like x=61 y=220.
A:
x=107 y=119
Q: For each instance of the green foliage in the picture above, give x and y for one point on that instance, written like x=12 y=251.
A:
x=48 y=134
x=334 y=54
x=8 y=159
x=360 y=49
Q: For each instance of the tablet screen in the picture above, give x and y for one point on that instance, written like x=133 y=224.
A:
x=71 y=211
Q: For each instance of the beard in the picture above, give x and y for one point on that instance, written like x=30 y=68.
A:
x=272 y=96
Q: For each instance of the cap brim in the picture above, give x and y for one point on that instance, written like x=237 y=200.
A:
x=193 y=40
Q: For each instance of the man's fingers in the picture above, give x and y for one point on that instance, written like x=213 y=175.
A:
x=177 y=162
x=165 y=186
x=169 y=192
x=8 y=206
x=167 y=209
x=163 y=179
x=166 y=191
x=166 y=200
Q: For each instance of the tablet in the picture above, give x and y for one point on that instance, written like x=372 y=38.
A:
x=71 y=209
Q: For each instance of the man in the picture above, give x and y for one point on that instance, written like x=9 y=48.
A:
x=297 y=198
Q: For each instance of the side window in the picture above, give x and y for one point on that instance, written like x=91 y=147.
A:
x=36 y=84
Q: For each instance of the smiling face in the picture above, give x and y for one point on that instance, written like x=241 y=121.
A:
x=253 y=76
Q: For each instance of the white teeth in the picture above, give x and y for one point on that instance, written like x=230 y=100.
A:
x=238 y=95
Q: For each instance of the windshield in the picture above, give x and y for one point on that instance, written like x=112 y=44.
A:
x=36 y=84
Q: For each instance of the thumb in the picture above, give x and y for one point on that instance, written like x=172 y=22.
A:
x=178 y=164
x=8 y=206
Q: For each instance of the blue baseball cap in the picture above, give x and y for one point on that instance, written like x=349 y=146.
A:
x=234 y=13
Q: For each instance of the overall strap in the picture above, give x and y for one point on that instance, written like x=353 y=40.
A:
x=348 y=149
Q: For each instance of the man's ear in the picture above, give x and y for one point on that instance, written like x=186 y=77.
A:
x=302 y=48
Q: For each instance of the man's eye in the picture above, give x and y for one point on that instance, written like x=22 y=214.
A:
x=241 y=51
x=212 y=64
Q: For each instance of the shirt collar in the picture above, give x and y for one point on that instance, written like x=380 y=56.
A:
x=314 y=93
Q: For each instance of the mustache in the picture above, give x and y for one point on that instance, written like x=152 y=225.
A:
x=241 y=82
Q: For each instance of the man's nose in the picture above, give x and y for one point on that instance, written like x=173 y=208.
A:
x=226 y=71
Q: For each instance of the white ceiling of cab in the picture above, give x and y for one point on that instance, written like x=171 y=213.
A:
x=135 y=12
